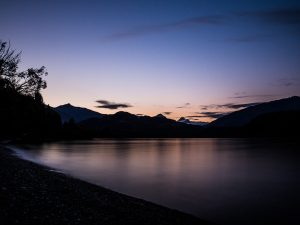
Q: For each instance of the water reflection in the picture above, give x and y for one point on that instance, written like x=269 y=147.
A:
x=223 y=180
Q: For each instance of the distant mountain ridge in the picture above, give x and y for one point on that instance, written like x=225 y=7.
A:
x=68 y=112
x=187 y=121
x=245 y=116
x=124 y=124
x=279 y=118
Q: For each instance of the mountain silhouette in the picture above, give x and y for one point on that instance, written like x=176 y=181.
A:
x=275 y=124
x=187 y=121
x=271 y=119
x=160 y=116
x=78 y=114
x=245 y=116
x=124 y=124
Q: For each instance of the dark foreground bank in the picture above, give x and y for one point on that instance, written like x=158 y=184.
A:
x=33 y=194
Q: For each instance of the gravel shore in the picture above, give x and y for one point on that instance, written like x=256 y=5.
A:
x=33 y=194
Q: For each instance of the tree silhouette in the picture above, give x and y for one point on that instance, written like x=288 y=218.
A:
x=28 y=82
x=23 y=114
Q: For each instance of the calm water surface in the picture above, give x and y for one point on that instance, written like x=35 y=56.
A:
x=228 y=181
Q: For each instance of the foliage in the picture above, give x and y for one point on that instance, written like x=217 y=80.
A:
x=28 y=82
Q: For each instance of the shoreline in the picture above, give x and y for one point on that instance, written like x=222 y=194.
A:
x=31 y=193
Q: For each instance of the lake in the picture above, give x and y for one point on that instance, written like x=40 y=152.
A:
x=227 y=181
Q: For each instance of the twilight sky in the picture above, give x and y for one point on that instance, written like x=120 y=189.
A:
x=196 y=59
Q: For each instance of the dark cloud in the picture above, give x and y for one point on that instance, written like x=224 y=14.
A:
x=197 y=116
x=251 y=96
x=143 y=30
x=111 y=105
x=229 y=105
x=212 y=115
x=245 y=105
x=167 y=113
x=285 y=16
x=207 y=107
x=238 y=106
x=220 y=108
x=184 y=106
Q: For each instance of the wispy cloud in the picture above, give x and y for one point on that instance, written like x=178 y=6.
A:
x=239 y=106
x=212 y=115
x=287 y=82
x=195 y=119
x=242 y=96
x=215 y=111
x=195 y=116
x=184 y=106
x=111 y=105
x=229 y=105
x=283 y=16
x=158 y=28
